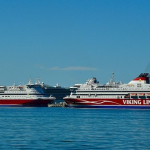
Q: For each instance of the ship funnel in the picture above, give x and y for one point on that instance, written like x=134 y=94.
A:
x=142 y=78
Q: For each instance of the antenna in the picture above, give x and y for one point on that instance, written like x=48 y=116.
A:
x=112 y=78
x=38 y=81
x=30 y=81
x=14 y=84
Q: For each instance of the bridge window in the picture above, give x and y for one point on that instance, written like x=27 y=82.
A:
x=139 y=85
x=134 y=97
x=142 y=97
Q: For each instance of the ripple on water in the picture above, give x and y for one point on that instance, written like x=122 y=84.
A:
x=63 y=128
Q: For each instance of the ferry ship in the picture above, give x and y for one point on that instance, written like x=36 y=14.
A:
x=134 y=95
x=57 y=91
x=29 y=95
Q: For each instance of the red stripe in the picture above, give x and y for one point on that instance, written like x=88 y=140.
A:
x=100 y=102
x=140 y=78
x=26 y=102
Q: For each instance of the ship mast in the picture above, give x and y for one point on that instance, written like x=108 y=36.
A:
x=111 y=79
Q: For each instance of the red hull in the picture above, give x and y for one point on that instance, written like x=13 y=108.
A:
x=26 y=102
x=108 y=103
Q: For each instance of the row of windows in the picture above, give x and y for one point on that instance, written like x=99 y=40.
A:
x=141 y=97
x=22 y=96
x=112 y=89
x=86 y=96
x=21 y=92
x=132 y=97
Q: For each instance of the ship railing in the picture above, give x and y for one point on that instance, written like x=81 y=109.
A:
x=114 y=89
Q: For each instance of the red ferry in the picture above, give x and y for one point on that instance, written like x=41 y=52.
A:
x=29 y=95
x=134 y=95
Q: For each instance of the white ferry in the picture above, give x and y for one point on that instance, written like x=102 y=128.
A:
x=29 y=95
x=134 y=95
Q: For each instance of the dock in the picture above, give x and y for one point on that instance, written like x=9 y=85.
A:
x=56 y=104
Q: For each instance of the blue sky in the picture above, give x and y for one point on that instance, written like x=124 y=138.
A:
x=70 y=41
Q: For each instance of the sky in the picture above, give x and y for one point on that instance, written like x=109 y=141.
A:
x=70 y=41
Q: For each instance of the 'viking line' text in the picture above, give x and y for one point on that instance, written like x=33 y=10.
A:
x=132 y=102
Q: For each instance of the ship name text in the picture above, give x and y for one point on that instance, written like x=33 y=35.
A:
x=136 y=102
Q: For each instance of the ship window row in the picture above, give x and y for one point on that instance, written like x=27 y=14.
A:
x=23 y=96
x=140 y=97
x=20 y=92
x=111 y=96
x=13 y=96
x=98 y=96
x=5 y=96
x=113 y=89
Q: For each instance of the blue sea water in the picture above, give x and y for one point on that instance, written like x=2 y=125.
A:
x=74 y=129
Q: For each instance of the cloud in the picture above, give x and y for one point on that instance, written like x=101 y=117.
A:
x=79 y=68
x=74 y=68
x=54 y=68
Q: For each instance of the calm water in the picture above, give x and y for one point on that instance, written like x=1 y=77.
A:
x=64 y=128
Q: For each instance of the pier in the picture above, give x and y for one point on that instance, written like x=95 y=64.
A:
x=56 y=104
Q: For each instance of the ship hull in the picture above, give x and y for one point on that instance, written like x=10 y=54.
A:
x=108 y=103
x=25 y=102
